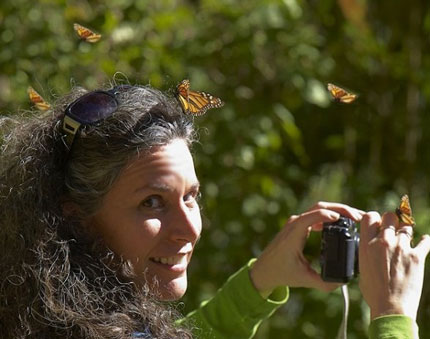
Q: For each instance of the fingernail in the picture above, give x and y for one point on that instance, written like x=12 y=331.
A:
x=359 y=215
x=334 y=215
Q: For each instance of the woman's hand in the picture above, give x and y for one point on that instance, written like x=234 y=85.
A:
x=282 y=262
x=391 y=271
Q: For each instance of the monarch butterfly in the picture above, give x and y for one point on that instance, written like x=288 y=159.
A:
x=193 y=102
x=404 y=211
x=341 y=95
x=86 y=34
x=37 y=99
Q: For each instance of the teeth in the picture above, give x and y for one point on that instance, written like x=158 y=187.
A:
x=178 y=259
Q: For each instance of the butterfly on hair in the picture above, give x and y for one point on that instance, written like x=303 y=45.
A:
x=37 y=99
x=194 y=102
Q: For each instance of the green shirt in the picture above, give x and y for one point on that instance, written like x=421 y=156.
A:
x=237 y=310
x=393 y=327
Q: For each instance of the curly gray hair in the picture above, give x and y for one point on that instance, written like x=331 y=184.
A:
x=57 y=280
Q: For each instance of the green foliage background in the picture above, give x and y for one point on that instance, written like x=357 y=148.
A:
x=279 y=144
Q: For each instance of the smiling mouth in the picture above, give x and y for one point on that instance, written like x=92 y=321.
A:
x=174 y=260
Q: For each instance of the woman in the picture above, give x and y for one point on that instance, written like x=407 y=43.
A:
x=59 y=279
x=100 y=215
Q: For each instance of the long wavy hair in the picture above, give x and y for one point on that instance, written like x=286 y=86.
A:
x=56 y=279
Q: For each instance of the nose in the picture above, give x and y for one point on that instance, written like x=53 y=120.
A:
x=186 y=224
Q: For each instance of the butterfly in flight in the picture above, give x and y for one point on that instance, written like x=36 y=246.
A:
x=341 y=95
x=404 y=211
x=193 y=102
x=37 y=100
x=86 y=34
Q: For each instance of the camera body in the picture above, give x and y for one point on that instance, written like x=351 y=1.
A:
x=339 y=250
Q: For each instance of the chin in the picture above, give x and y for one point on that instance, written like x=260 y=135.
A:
x=173 y=290
x=165 y=290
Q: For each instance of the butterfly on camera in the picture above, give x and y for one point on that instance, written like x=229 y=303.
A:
x=341 y=95
x=37 y=100
x=86 y=34
x=194 y=102
x=404 y=211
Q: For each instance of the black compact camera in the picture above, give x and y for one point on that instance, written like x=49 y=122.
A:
x=339 y=250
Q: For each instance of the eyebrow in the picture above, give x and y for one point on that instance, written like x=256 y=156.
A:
x=164 y=188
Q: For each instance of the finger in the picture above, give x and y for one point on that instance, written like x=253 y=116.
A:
x=423 y=247
x=389 y=225
x=388 y=232
x=405 y=236
x=318 y=227
x=324 y=285
x=315 y=217
x=369 y=227
x=301 y=225
x=328 y=286
x=343 y=209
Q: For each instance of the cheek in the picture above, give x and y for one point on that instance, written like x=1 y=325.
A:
x=144 y=236
x=134 y=240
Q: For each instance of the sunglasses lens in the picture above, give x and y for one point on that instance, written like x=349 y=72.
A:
x=92 y=107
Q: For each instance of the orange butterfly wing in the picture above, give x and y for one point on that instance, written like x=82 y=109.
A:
x=182 y=92
x=194 y=102
x=404 y=211
x=341 y=95
x=86 y=34
x=37 y=99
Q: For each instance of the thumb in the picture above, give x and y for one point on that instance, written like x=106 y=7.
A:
x=312 y=279
x=423 y=247
x=315 y=281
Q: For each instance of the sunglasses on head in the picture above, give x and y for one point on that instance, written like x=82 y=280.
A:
x=90 y=109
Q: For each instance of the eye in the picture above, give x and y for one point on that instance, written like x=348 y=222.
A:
x=153 y=202
x=192 y=198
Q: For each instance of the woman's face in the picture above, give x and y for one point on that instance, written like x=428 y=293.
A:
x=152 y=219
